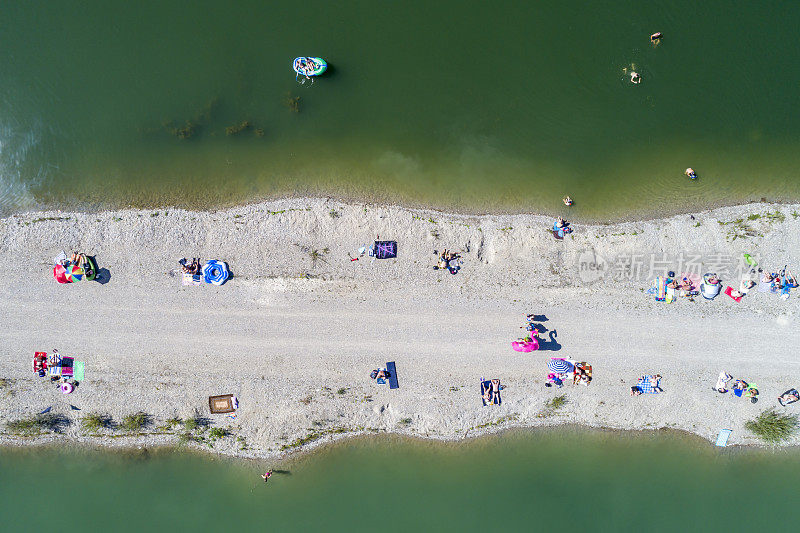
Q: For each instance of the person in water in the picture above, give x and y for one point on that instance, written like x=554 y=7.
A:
x=266 y=475
x=636 y=78
x=691 y=173
x=656 y=38
x=567 y=201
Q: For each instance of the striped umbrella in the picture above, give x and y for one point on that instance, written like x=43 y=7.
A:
x=560 y=366
x=215 y=272
x=73 y=273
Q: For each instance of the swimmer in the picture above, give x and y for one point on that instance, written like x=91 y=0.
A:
x=691 y=173
x=266 y=475
x=636 y=78
x=567 y=201
x=656 y=38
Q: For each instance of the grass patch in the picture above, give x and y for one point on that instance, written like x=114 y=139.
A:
x=405 y=421
x=6 y=383
x=342 y=390
x=37 y=424
x=218 y=433
x=135 y=422
x=52 y=219
x=316 y=435
x=94 y=422
x=772 y=427
x=552 y=406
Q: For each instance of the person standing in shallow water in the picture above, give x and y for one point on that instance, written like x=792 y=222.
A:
x=266 y=475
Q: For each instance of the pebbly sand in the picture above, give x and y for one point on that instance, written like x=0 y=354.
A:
x=295 y=334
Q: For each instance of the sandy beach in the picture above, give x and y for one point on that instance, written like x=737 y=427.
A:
x=294 y=334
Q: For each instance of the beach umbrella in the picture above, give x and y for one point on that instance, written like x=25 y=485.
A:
x=560 y=366
x=73 y=273
x=215 y=272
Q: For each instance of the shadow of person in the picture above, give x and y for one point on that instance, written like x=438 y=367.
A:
x=284 y=472
x=550 y=344
x=103 y=276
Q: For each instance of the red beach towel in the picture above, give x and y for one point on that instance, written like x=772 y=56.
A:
x=728 y=292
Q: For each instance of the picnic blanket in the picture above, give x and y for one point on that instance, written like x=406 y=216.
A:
x=722 y=438
x=384 y=249
x=644 y=385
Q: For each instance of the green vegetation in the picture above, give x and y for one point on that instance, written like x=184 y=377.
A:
x=170 y=424
x=191 y=424
x=334 y=213
x=135 y=422
x=316 y=435
x=342 y=390
x=94 y=422
x=772 y=427
x=238 y=128
x=405 y=421
x=291 y=102
x=45 y=219
x=218 y=433
x=36 y=424
x=552 y=406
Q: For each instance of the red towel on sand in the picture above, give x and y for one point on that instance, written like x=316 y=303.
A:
x=728 y=292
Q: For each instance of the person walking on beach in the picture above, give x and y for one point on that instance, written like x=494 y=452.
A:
x=266 y=475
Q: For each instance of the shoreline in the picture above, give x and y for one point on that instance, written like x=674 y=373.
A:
x=573 y=213
x=288 y=327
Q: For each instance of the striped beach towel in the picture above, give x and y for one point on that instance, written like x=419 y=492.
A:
x=661 y=288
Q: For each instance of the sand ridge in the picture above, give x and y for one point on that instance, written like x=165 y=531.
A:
x=297 y=330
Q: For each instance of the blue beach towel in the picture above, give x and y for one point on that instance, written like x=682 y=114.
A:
x=390 y=368
x=722 y=438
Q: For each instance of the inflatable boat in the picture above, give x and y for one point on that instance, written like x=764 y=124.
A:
x=309 y=66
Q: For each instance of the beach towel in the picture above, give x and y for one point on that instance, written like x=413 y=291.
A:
x=384 y=249
x=223 y=403
x=765 y=286
x=77 y=370
x=670 y=295
x=485 y=385
x=644 y=385
x=191 y=279
x=729 y=291
x=722 y=438
x=390 y=368
x=661 y=288
x=66 y=366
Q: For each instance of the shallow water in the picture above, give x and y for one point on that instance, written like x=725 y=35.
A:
x=480 y=106
x=572 y=480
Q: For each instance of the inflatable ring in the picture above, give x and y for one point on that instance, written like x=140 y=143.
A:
x=67 y=388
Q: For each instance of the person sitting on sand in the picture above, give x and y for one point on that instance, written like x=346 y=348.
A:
x=788 y=397
x=722 y=382
x=791 y=281
x=655 y=383
x=636 y=390
x=747 y=284
x=636 y=78
x=768 y=277
x=673 y=284
x=736 y=293
x=713 y=279
x=751 y=393
x=686 y=284
x=739 y=384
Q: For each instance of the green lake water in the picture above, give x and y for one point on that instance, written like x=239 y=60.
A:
x=473 y=106
x=561 y=480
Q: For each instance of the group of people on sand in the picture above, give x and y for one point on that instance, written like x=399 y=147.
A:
x=491 y=392
x=449 y=261
x=648 y=383
x=740 y=387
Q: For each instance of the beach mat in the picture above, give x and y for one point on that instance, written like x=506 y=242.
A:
x=390 y=368
x=78 y=370
x=729 y=290
x=661 y=288
x=221 y=404
x=722 y=438
x=484 y=384
x=765 y=286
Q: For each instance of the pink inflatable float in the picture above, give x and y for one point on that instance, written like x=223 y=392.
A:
x=526 y=346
